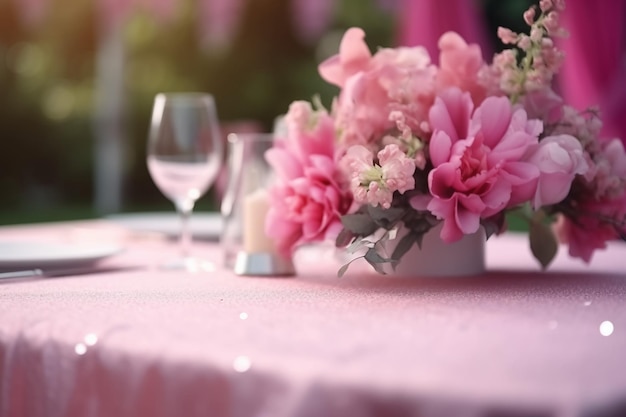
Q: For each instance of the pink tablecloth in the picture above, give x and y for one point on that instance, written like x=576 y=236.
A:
x=515 y=341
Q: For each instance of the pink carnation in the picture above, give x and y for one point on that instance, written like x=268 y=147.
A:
x=375 y=184
x=397 y=169
x=477 y=159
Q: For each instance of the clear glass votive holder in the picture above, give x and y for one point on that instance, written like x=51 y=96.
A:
x=245 y=204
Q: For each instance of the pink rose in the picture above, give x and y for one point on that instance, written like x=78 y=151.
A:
x=559 y=159
x=478 y=167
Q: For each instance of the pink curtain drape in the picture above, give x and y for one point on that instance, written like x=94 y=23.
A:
x=422 y=22
x=594 y=72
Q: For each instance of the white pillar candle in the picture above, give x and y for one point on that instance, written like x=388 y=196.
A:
x=256 y=206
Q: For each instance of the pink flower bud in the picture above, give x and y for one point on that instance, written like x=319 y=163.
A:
x=524 y=42
x=507 y=36
x=529 y=16
x=545 y=5
x=551 y=22
x=536 y=34
x=559 y=5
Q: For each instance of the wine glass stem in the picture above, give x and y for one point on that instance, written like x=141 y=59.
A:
x=184 y=208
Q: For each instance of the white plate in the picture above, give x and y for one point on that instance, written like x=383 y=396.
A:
x=206 y=226
x=35 y=254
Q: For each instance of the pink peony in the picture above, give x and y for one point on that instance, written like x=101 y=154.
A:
x=460 y=65
x=478 y=167
x=310 y=195
x=393 y=80
x=354 y=56
x=559 y=159
x=308 y=208
x=309 y=132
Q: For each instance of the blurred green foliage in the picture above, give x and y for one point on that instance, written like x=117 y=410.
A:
x=48 y=80
x=48 y=88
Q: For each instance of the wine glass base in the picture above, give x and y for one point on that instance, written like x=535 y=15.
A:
x=193 y=265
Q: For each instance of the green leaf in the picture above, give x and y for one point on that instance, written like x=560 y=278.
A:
x=360 y=224
x=493 y=225
x=385 y=218
x=419 y=225
x=418 y=239
x=403 y=246
x=543 y=243
x=379 y=268
x=344 y=238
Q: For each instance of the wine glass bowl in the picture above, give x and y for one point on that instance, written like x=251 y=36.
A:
x=184 y=157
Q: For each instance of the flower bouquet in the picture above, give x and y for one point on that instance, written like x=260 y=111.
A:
x=411 y=144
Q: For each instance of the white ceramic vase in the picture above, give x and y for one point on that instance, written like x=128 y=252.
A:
x=437 y=258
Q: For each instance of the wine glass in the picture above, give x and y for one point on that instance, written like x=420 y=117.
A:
x=184 y=157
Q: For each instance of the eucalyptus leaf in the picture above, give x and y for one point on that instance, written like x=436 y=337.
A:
x=356 y=245
x=373 y=257
x=376 y=261
x=543 y=244
x=359 y=223
x=343 y=270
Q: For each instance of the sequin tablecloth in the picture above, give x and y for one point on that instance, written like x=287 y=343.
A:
x=513 y=342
